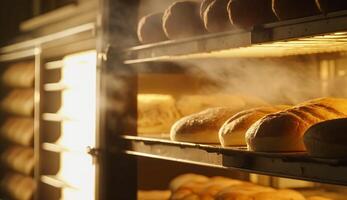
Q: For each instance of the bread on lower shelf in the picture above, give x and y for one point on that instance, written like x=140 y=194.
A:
x=20 y=159
x=233 y=131
x=215 y=16
x=327 y=139
x=21 y=74
x=248 y=13
x=19 y=102
x=182 y=20
x=291 y=9
x=18 y=186
x=150 y=28
x=153 y=195
x=284 y=131
x=18 y=130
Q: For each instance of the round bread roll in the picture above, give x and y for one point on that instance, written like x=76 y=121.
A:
x=318 y=198
x=243 y=191
x=186 y=178
x=247 y=13
x=203 y=6
x=216 y=17
x=279 y=195
x=150 y=28
x=284 y=131
x=182 y=20
x=327 y=139
x=233 y=131
x=201 y=127
x=331 y=5
x=291 y=9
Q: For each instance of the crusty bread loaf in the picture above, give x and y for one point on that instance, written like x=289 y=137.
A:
x=21 y=74
x=18 y=130
x=19 y=102
x=156 y=114
x=182 y=20
x=279 y=195
x=18 y=186
x=331 y=5
x=20 y=159
x=318 y=198
x=186 y=178
x=150 y=28
x=247 y=13
x=244 y=192
x=233 y=131
x=283 y=131
x=153 y=195
x=291 y=9
x=201 y=127
x=327 y=139
x=216 y=17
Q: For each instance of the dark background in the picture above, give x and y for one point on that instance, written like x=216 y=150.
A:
x=13 y=12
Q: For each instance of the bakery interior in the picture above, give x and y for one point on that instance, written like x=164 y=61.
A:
x=173 y=100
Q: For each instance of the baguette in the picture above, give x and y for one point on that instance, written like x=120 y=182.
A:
x=201 y=127
x=216 y=17
x=150 y=28
x=233 y=131
x=182 y=20
x=283 y=131
x=291 y=9
x=248 y=13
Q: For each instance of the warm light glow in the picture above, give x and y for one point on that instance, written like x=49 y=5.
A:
x=78 y=132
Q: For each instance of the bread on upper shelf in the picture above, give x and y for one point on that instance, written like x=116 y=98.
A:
x=19 y=102
x=283 y=131
x=18 y=186
x=331 y=5
x=182 y=20
x=248 y=13
x=233 y=131
x=20 y=159
x=215 y=15
x=291 y=9
x=19 y=130
x=21 y=74
x=327 y=139
x=150 y=28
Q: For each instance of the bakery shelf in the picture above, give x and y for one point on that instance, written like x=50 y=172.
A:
x=54 y=65
x=59 y=148
x=52 y=87
x=289 y=165
x=316 y=34
x=54 y=117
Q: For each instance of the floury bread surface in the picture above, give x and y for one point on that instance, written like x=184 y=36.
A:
x=233 y=131
x=283 y=131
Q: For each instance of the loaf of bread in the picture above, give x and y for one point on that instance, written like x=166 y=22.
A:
x=203 y=6
x=233 y=131
x=279 y=195
x=18 y=186
x=19 y=159
x=318 y=198
x=18 y=130
x=186 y=178
x=284 y=131
x=182 y=20
x=19 y=102
x=156 y=114
x=21 y=74
x=248 y=13
x=215 y=16
x=244 y=192
x=153 y=195
x=291 y=9
x=327 y=139
x=331 y=5
x=150 y=28
x=201 y=127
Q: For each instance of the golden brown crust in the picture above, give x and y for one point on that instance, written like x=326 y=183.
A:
x=279 y=195
x=201 y=127
x=283 y=131
x=150 y=28
x=182 y=20
x=21 y=74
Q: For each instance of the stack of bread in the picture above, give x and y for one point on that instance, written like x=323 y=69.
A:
x=17 y=129
x=268 y=129
x=186 y=18
x=193 y=186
